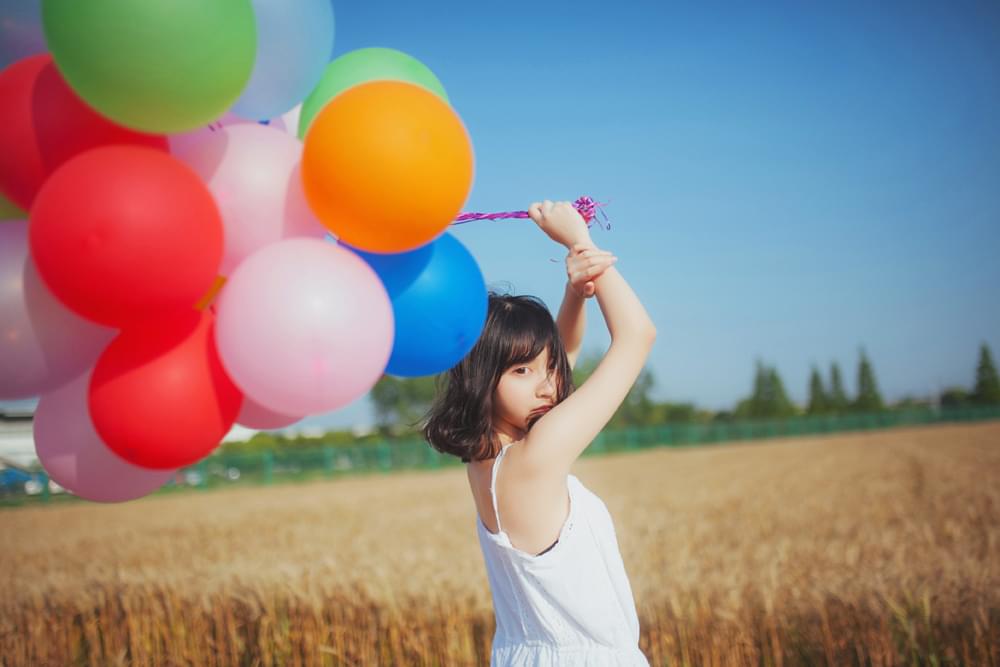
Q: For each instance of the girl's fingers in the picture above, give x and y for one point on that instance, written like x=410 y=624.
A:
x=601 y=264
x=584 y=251
x=600 y=268
x=591 y=272
x=593 y=260
x=603 y=259
x=594 y=268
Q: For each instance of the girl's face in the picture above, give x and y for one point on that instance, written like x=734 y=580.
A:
x=523 y=391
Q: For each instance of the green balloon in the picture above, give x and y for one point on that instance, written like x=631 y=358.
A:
x=360 y=66
x=9 y=210
x=150 y=65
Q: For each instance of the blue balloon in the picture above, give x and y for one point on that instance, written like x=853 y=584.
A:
x=439 y=303
x=294 y=44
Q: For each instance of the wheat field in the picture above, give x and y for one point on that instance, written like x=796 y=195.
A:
x=876 y=548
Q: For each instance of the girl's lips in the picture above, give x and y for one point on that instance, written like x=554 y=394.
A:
x=542 y=409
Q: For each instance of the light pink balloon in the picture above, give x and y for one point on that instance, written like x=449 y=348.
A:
x=43 y=344
x=257 y=416
x=74 y=456
x=253 y=172
x=304 y=326
x=186 y=140
x=290 y=119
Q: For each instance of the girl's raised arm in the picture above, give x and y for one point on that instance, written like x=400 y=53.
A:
x=558 y=438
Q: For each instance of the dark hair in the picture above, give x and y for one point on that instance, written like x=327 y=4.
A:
x=517 y=329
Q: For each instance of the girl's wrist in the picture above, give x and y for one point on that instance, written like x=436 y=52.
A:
x=582 y=243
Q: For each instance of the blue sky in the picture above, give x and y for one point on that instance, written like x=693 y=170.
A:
x=787 y=182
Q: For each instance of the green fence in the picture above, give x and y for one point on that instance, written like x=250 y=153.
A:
x=327 y=461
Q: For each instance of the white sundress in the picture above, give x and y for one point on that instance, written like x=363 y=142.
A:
x=570 y=605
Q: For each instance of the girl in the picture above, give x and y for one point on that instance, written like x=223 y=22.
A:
x=560 y=592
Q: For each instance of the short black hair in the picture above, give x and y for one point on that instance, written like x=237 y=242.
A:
x=517 y=330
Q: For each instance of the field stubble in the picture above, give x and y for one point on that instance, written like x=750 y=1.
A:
x=875 y=548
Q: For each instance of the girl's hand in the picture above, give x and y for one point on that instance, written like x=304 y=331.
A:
x=584 y=264
x=561 y=222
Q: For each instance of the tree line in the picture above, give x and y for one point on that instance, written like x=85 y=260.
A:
x=401 y=403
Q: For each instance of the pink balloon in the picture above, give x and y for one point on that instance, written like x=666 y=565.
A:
x=290 y=119
x=74 y=456
x=43 y=344
x=304 y=327
x=257 y=416
x=253 y=173
x=186 y=140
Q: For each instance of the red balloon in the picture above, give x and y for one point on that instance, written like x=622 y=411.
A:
x=43 y=123
x=121 y=233
x=159 y=396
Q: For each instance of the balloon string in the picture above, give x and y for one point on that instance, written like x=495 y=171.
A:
x=587 y=207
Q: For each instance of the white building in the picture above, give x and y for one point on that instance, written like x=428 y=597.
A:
x=17 y=442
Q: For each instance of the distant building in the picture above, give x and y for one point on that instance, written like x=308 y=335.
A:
x=17 y=443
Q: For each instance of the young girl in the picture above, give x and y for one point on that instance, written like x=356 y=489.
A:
x=560 y=592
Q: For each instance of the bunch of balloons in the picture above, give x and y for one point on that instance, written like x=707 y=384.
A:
x=207 y=221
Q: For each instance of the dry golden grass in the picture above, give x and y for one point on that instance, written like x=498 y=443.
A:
x=876 y=548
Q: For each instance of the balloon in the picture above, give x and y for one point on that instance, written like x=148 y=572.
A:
x=121 y=233
x=439 y=311
x=304 y=326
x=43 y=123
x=291 y=120
x=387 y=166
x=186 y=141
x=253 y=415
x=294 y=42
x=159 y=67
x=253 y=173
x=73 y=455
x=159 y=396
x=10 y=211
x=20 y=30
x=43 y=344
x=362 y=66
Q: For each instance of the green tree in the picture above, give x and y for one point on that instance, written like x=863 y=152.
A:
x=909 y=402
x=769 y=399
x=868 y=398
x=837 y=399
x=638 y=408
x=675 y=413
x=954 y=397
x=778 y=402
x=819 y=402
x=585 y=366
x=987 y=389
x=401 y=402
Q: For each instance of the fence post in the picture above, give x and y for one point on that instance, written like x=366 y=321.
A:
x=328 y=460
x=598 y=446
x=202 y=469
x=632 y=438
x=268 y=467
x=46 y=493
x=384 y=456
x=433 y=457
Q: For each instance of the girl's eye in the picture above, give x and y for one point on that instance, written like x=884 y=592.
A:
x=519 y=369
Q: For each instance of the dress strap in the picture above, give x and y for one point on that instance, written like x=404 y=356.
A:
x=493 y=484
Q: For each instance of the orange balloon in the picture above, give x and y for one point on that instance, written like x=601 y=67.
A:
x=386 y=166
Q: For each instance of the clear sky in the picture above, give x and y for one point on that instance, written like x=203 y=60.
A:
x=787 y=182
